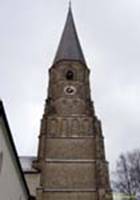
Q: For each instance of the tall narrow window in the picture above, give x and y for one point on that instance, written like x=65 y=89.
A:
x=69 y=75
x=1 y=160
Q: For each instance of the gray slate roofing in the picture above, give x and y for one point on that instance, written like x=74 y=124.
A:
x=69 y=47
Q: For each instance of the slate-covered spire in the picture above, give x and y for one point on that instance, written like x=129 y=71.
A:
x=69 y=47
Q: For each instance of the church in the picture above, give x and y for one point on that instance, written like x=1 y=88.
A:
x=71 y=162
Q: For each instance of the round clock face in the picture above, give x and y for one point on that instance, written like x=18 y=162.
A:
x=70 y=90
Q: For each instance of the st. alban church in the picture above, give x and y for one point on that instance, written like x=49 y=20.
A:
x=71 y=155
x=71 y=162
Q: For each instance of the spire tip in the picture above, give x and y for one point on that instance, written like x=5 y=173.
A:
x=69 y=4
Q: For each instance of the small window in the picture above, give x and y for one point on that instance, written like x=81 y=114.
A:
x=69 y=75
x=1 y=160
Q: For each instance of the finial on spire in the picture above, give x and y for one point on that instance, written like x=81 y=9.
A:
x=69 y=4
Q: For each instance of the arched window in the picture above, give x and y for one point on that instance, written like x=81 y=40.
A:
x=53 y=126
x=64 y=127
x=75 y=127
x=69 y=75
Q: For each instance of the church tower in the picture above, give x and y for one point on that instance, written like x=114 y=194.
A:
x=71 y=154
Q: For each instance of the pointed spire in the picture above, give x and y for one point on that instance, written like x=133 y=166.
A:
x=69 y=47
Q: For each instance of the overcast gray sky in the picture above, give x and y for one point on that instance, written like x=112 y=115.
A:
x=109 y=32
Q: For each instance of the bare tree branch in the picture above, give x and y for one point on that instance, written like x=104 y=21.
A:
x=127 y=174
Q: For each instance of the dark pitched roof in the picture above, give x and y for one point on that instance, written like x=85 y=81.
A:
x=10 y=138
x=69 y=47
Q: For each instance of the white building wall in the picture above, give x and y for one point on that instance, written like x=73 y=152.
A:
x=11 y=185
